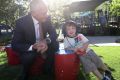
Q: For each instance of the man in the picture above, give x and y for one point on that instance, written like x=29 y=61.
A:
x=30 y=37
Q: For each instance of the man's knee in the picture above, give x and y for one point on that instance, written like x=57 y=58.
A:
x=27 y=58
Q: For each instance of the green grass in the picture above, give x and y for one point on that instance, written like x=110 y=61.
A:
x=110 y=56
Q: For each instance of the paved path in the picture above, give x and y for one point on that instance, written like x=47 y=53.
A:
x=104 y=40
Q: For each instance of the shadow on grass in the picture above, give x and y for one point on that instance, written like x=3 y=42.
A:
x=100 y=56
x=8 y=72
x=111 y=69
x=83 y=76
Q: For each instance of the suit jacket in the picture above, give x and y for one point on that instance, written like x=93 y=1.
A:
x=24 y=34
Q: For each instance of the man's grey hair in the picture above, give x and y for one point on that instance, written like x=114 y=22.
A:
x=35 y=4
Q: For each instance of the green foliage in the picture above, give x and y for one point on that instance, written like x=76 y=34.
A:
x=5 y=39
x=115 y=7
x=56 y=11
x=10 y=10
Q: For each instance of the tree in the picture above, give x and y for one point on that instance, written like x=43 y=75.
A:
x=56 y=11
x=10 y=10
x=115 y=8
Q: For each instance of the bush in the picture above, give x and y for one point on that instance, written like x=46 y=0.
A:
x=5 y=39
x=117 y=41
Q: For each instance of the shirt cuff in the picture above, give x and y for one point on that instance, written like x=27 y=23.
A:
x=30 y=49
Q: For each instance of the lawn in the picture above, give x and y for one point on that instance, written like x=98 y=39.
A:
x=110 y=56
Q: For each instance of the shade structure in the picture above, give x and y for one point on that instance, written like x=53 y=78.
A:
x=88 y=5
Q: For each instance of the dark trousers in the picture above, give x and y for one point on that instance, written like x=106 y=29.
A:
x=49 y=63
x=28 y=58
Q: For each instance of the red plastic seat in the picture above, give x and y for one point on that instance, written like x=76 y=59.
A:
x=13 y=59
x=66 y=66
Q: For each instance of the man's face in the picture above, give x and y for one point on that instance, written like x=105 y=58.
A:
x=41 y=13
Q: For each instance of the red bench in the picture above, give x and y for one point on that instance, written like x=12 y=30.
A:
x=66 y=66
x=13 y=59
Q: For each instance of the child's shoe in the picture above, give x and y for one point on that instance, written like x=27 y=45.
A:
x=106 y=78
x=107 y=75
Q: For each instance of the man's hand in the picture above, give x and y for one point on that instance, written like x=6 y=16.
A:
x=40 y=46
x=44 y=49
x=35 y=46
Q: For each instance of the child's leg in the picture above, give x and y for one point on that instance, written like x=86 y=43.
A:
x=103 y=68
x=97 y=61
x=98 y=74
x=89 y=66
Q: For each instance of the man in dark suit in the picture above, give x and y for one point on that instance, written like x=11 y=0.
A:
x=29 y=40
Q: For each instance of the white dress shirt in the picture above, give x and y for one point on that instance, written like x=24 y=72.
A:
x=37 y=33
x=36 y=25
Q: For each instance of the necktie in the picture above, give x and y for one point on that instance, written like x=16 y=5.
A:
x=41 y=32
x=41 y=38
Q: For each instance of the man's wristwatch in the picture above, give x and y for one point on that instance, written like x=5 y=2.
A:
x=48 y=40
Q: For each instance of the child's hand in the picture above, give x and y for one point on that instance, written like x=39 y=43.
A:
x=80 y=51
x=75 y=49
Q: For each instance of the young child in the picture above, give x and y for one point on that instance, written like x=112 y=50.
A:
x=79 y=44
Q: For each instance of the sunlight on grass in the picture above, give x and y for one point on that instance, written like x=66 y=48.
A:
x=111 y=57
x=2 y=58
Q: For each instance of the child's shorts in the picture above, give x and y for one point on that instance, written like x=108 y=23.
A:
x=91 y=61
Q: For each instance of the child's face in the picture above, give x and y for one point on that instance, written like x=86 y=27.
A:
x=71 y=31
